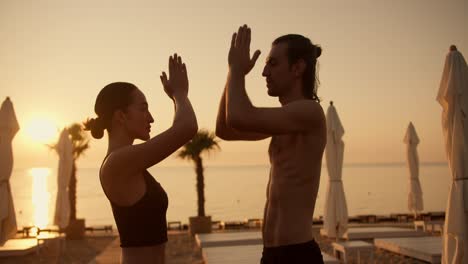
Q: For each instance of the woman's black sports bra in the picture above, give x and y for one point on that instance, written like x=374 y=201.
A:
x=143 y=223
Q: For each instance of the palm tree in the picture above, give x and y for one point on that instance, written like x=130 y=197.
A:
x=203 y=141
x=80 y=143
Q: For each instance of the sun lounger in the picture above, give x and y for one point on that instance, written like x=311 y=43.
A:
x=349 y=249
x=254 y=223
x=424 y=248
x=217 y=225
x=105 y=228
x=236 y=247
x=174 y=225
x=235 y=224
x=401 y=218
x=355 y=233
x=437 y=215
x=429 y=226
x=20 y=247
x=435 y=227
x=228 y=239
x=246 y=254
x=367 y=218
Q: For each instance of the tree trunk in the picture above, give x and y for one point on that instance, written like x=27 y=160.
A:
x=200 y=186
x=72 y=193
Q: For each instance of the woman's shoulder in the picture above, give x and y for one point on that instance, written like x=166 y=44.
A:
x=115 y=165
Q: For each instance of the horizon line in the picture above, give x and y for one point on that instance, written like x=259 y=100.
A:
x=351 y=164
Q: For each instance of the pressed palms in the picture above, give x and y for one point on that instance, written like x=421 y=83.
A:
x=203 y=141
x=80 y=143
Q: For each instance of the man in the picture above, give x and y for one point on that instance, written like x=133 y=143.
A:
x=298 y=137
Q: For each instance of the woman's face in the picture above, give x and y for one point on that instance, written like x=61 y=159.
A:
x=137 y=117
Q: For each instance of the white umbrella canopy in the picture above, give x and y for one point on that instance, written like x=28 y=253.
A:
x=415 y=201
x=62 y=204
x=8 y=129
x=453 y=97
x=335 y=217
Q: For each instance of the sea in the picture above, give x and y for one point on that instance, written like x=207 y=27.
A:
x=232 y=193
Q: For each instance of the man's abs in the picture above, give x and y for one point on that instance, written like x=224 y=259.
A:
x=292 y=190
x=287 y=225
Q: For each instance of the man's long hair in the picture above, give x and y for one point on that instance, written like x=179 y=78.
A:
x=300 y=47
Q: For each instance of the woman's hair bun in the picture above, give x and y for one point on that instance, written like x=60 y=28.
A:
x=95 y=126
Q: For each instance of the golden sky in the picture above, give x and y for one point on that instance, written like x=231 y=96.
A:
x=381 y=64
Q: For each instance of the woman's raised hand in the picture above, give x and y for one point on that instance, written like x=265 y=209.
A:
x=176 y=85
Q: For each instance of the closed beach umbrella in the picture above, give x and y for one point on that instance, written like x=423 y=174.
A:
x=8 y=129
x=62 y=204
x=453 y=97
x=335 y=217
x=415 y=201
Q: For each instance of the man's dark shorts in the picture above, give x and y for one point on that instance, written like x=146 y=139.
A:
x=305 y=253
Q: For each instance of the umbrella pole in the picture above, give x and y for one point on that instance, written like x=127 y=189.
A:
x=337 y=227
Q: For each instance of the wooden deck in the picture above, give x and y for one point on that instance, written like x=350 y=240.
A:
x=423 y=248
x=355 y=233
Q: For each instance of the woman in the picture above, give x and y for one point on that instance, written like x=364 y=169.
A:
x=138 y=201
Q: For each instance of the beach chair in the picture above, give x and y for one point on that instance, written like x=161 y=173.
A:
x=401 y=218
x=243 y=254
x=423 y=216
x=427 y=248
x=228 y=239
x=359 y=233
x=436 y=227
x=367 y=219
x=235 y=224
x=105 y=228
x=254 y=223
x=20 y=247
x=174 y=225
x=353 y=249
x=437 y=215
x=28 y=231
x=34 y=240
x=431 y=226
x=236 y=247
x=217 y=225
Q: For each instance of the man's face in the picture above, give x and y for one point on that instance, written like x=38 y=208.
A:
x=277 y=72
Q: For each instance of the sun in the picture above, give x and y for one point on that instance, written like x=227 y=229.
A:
x=41 y=129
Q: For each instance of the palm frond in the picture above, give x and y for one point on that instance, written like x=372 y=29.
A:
x=185 y=154
x=80 y=149
x=53 y=146
x=79 y=139
x=203 y=141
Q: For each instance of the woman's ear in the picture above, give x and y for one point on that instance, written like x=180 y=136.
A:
x=119 y=116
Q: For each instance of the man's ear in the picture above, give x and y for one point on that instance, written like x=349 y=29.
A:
x=299 y=67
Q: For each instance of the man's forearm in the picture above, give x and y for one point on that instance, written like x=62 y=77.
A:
x=238 y=102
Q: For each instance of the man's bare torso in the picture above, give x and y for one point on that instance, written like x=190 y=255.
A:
x=292 y=189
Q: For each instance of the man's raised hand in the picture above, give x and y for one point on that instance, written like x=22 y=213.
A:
x=239 y=53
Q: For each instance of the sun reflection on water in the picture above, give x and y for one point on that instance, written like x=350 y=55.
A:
x=40 y=196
